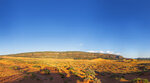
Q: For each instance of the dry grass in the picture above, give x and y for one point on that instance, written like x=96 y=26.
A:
x=76 y=67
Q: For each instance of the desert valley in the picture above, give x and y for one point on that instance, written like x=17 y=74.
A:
x=72 y=67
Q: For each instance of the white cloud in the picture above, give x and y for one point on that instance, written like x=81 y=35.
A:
x=92 y=51
x=101 y=52
x=108 y=52
x=96 y=51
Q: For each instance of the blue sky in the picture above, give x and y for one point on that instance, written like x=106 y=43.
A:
x=120 y=26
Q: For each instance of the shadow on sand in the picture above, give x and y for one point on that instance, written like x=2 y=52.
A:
x=56 y=77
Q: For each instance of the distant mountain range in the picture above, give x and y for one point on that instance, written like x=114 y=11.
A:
x=145 y=58
x=68 y=55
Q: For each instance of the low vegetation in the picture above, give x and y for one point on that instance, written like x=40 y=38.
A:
x=139 y=80
x=69 y=70
x=45 y=71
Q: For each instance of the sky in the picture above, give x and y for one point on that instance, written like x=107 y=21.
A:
x=118 y=26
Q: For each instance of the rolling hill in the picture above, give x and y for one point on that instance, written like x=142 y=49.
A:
x=68 y=55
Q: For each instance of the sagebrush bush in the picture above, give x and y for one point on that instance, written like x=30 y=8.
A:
x=15 y=67
x=139 y=80
x=62 y=75
x=97 y=80
x=145 y=81
x=36 y=66
x=90 y=73
x=45 y=71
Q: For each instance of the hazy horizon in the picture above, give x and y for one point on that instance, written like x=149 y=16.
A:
x=115 y=26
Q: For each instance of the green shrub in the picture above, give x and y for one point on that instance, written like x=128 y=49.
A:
x=51 y=78
x=15 y=67
x=137 y=80
x=97 y=80
x=86 y=79
x=70 y=68
x=21 y=70
x=102 y=74
x=25 y=77
x=36 y=66
x=33 y=75
x=45 y=71
x=28 y=73
x=145 y=81
x=75 y=73
x=62 y=75
x=90 y=73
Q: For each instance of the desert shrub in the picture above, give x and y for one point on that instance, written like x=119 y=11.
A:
x=51 y=78
x=139 y=80
x=86 y=80
x=75 y=73
x=97 y=80
x=36 y=66
x=34 y=62
x=28 y=73
x=102 y=74
x=70 y=68
x=62 y=75
x=15 y=67
x=33 y=75
x=21 y=70
x=65 y=66
x=90 y=76
x=25 y=77
x=45 y=71
x=145 y=81
x=19 y=60
x=90 y=73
